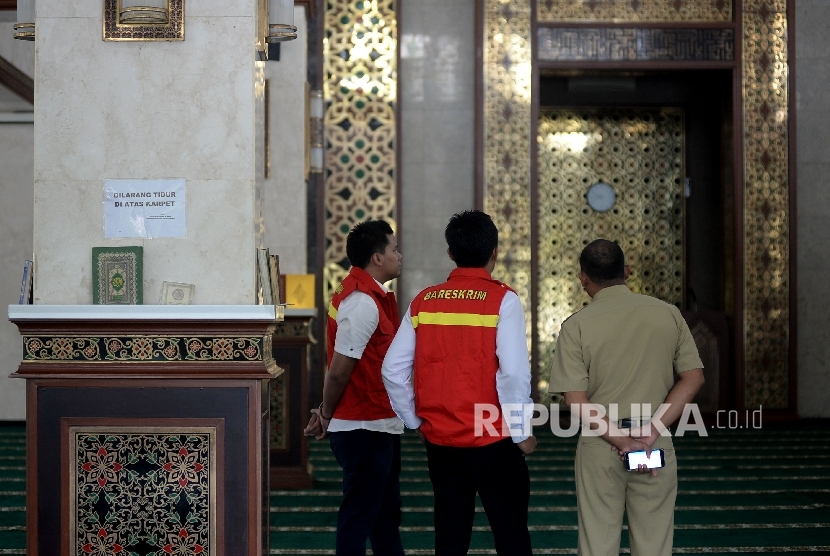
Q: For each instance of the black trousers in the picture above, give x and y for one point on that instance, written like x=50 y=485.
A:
x=498 y=472
x=371 y=507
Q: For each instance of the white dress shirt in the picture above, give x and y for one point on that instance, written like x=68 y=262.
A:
x=512 y=377
x=357 y=319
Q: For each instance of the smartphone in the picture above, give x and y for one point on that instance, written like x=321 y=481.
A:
x=656 y=461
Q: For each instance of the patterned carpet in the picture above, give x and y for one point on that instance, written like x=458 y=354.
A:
x=754 y=492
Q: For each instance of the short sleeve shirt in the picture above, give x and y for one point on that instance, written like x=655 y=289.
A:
x=357 y=319
x=623 y=348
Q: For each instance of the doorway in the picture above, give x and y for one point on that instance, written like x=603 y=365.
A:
x=616 y=174
x=660 y=145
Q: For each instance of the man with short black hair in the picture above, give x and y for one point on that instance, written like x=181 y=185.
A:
x=624 y=349
x=462 y=343
x=355 y=413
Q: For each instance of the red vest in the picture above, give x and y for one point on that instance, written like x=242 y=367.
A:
x=365 y=397
x=455 y=356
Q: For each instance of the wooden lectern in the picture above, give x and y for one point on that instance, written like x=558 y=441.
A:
x=147 y=428
x=289 y=401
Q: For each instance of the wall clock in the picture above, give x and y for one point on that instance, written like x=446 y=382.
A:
x=601 y=197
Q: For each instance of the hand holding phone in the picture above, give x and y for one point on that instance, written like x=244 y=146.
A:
x=635 y=459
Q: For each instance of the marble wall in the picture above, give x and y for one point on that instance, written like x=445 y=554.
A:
x=146 y=110
x=16 y=186
x=437 y=132
x=16 y=197
x=812 y=60
x=284 y=191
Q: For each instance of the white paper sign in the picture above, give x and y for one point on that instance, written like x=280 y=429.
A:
x=144 y=208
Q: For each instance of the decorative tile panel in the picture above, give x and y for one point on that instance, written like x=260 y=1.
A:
x=507 y=109
x=360 y=53
x=145 y=348
x=766 y=204
x=634 y=10
x=142 y=490
x=639 y=153
x=559 y=44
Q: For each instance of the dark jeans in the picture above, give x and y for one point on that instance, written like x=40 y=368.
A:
x=499 y=474
x=371 y=507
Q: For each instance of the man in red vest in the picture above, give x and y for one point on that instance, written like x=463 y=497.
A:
x=355 y=413
x=459 y=355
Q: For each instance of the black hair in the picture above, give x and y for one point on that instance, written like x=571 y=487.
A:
x=603 y=261
x=366 y=239
x=471 y=237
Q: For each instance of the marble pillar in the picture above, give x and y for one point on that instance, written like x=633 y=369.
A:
x=147 y=110
x=16 y=153
x=284 y=189
x=437 y=132
x=16 y=186
x=813 y=205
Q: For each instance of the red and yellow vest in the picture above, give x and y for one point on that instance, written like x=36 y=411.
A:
x=365 y=397
x=455 y=356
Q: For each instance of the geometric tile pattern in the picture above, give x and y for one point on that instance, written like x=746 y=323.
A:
x=148 y=492
x=635 y=10
x=639 y=153
x=360 y=59
x=507 y=109
x=766 y=204
x=629 y=44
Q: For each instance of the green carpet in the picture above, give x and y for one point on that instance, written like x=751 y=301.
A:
x=755 y=492
x=762 y=491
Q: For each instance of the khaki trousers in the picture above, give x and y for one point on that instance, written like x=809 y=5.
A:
x=605 y=489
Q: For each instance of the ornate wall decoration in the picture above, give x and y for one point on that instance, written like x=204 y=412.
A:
x=170 y=30
x=639 y=153
x=631 y=44
x=765 y=73
x=294 y=329
x=507 y=109
x=144 y=348
x=766 y=204
x=279 y=413
x=142 y=490
x=634 y=10
x=359 y=53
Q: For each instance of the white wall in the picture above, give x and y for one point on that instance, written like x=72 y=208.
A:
x=146 y=110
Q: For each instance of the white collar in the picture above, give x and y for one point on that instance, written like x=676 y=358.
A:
x=384 y=288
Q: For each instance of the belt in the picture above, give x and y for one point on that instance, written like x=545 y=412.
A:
x=632 y=423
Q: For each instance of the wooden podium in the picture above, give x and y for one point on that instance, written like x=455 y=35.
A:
x=293 y=339
x=146 y=428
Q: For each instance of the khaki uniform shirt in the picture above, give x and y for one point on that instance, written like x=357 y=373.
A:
x=623 y=348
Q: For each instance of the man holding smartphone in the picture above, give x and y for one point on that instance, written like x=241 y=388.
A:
x=624 y=350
